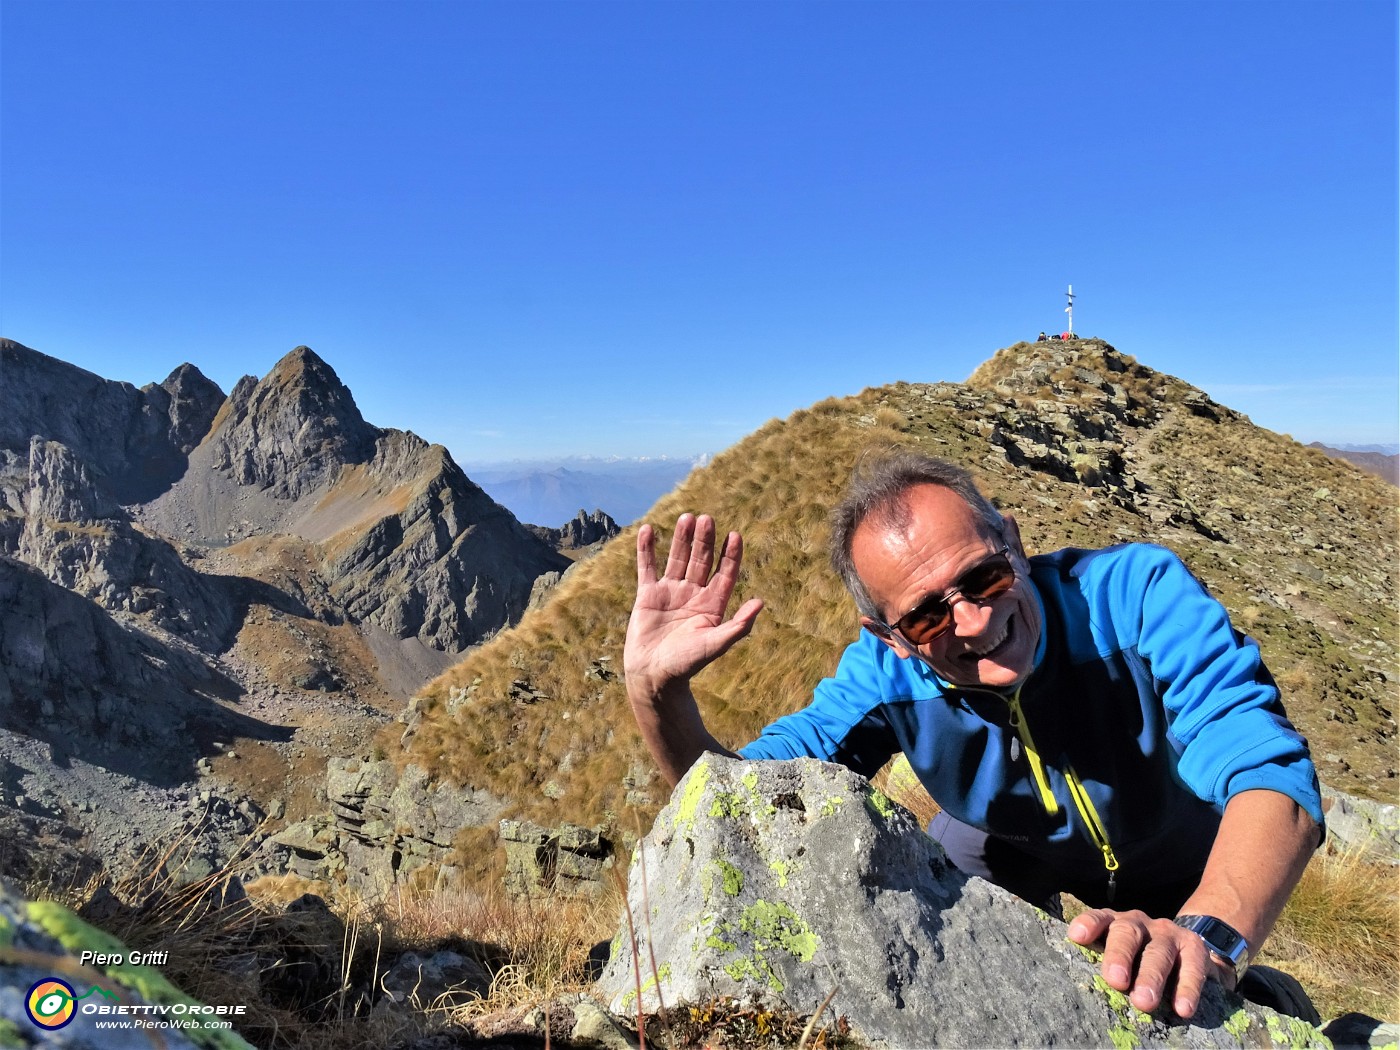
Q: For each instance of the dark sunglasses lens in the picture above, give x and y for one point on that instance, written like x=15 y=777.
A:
x=988 y=579
x=927 y=622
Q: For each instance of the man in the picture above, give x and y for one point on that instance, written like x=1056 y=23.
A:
x=1089 y=721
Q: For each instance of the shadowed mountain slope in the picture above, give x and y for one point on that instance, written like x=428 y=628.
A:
x=1084 y=445
x=224 y=590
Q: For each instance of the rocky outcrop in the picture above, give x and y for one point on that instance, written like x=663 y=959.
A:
x=567 y=861
x=583 y=530
x=795 y=883
x=1362 y=826
x=82 y=540
x=384 y=825
x=451 y=568
x=75 y=678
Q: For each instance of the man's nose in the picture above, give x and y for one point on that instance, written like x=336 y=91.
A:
x=969 y=617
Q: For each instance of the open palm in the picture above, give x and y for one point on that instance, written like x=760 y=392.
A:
x=678 y=624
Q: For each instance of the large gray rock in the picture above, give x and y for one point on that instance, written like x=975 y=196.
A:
x=786 y=882
x=1370 y=828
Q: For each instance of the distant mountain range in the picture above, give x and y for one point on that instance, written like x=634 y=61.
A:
x=551 y=493
x=1372 y=458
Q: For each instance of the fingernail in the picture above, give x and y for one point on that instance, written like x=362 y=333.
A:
x=1185 y=1007
x=1117 y=975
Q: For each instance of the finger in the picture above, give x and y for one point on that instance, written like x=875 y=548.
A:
x=731 y=557
x=680 y=547
x=1155 y=967
x=646 y=556
x=738 y=626
x=702 y=551
x=1090 y=926
x=1125 y=939
x=1192 y=970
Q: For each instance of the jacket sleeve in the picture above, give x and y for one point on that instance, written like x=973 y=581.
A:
x=1223 y=707
x=843 y=722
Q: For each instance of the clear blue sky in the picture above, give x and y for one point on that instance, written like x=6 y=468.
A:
x=534 y=229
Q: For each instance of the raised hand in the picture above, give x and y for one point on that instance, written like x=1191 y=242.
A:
x=678 y=622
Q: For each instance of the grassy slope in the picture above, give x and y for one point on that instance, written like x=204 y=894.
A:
x=1311 y=574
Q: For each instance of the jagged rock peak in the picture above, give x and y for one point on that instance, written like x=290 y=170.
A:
x=581 y=531
x=133 y=442
x=292 y=430
x=194 y=402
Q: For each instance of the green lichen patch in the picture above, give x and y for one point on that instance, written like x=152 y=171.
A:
x=1088 y=953
x=727 y=805
x=778 y=926
x=730 y=878
x=879 y=803
x=1294 y=1033
x=780 y=870
x=1237 y=1023
x=663 y=973
x=694 y=789
x=1120 y=1004
x=831 y=804
x=718 y=943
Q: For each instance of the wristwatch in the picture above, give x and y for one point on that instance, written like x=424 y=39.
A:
x=1222 y=939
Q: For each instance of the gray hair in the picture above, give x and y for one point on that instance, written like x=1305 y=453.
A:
x=877 y=490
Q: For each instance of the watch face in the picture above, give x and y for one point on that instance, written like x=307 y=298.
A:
x=1219 y=937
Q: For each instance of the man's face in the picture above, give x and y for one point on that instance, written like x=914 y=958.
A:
x=990 y=643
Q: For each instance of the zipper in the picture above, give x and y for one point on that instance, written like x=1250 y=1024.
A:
x=1090 y=816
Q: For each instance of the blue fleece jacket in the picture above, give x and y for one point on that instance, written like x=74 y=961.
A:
x=1140 y=685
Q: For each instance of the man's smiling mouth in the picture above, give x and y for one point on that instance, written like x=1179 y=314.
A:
x=992 y=645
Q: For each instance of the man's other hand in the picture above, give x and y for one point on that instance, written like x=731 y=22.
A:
x=1148 y=957
x=678 y=624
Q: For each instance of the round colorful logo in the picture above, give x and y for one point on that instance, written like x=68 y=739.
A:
x=50 y=1003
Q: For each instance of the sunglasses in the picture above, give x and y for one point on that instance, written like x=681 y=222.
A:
x=988 y=579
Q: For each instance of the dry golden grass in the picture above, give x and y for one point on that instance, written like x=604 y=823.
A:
x=1340 y=935
x=310 y=977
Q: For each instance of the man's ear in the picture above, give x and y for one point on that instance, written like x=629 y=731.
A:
x=1011 y=533
x=885 y=635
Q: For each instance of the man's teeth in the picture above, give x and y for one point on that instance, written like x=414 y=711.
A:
x=987 y=648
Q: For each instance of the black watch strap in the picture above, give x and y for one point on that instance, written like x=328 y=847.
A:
x=1221 y=938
